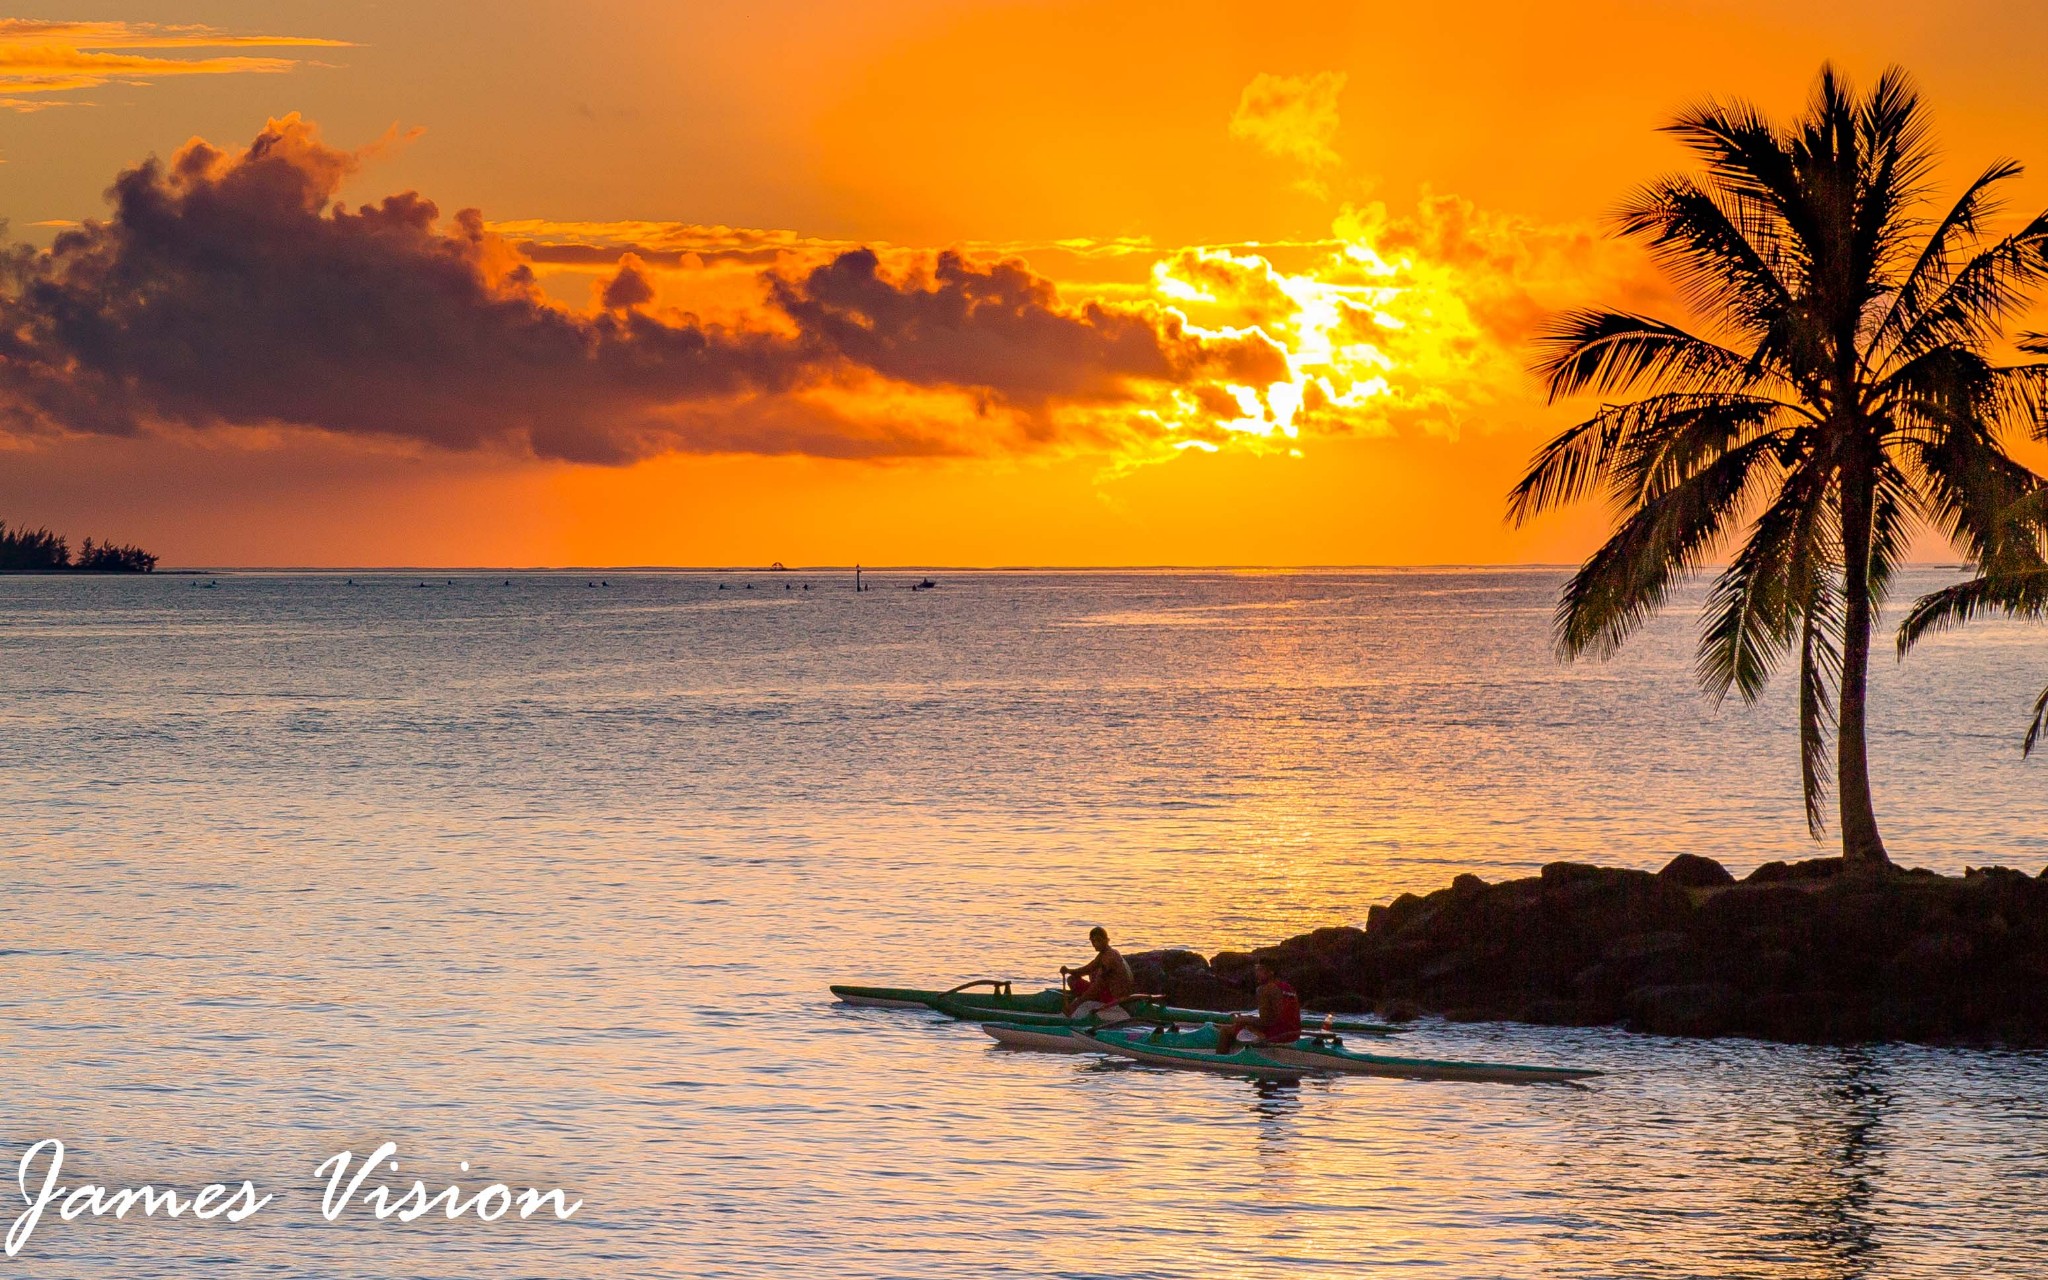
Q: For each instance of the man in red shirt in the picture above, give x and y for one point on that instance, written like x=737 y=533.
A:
x=1278 y=1020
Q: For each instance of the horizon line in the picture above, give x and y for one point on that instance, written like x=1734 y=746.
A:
x=915 y=568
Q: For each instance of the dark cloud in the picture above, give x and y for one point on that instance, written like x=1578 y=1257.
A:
x=629 y=287
x=992 y=325
x=234 y=289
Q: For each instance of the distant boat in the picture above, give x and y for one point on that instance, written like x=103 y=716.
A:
x=926 y=585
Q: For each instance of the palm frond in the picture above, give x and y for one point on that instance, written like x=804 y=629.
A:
x=1961 y=226
x=2020 y=594
x=1753 y=610
x=1611 y=352
x=1820 y=671
x=1892 y=134
x=1657 y=545
x=2039 y=722
x=1989 y=289
x=1679 y=434
x=1729 y=256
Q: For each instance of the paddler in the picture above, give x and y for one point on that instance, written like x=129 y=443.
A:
x=1101 y=982
x=1278 y=1020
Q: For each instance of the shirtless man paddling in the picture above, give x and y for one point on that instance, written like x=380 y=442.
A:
x=1102 y=981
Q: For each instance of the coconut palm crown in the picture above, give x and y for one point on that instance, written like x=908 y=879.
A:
x=1840 y=391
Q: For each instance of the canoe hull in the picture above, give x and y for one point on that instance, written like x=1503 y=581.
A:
x=1187 y=1053
x=1031 y=1005
x=981 y=1002
x=1015 y=1035
x=1370 y=1064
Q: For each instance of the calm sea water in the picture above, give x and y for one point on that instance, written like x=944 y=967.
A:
x=551 y=878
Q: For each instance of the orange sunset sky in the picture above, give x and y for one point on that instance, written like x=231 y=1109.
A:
x=901 y=281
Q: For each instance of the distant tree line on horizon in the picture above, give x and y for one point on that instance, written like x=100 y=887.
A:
x=39 y=550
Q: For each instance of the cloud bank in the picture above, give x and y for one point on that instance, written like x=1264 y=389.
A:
x=233 y=289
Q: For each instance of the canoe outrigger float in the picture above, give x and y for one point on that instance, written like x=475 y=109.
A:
x=1048 y=1007
x=1315 y=1052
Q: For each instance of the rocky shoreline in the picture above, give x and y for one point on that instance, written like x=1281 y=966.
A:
x=1795 y=952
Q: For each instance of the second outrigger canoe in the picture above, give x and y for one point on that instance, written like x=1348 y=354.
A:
x=1001 y=1000
x=1196 y=1049
x=1191 y=1050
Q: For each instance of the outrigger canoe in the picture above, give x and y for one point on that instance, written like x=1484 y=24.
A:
x=1311 y=1053
x=969 y=1004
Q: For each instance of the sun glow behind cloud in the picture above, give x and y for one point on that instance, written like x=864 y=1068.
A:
x=1389 y=323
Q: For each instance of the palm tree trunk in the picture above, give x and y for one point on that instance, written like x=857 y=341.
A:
x=1862 y=847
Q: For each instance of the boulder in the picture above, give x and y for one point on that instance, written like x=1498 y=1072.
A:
x=1234 y=967
x=1158 y=970
x=1695 y=872
x=1811 y=869
x=1573 y=872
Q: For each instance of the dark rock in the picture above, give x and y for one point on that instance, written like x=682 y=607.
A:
x=1573 y=872
x=1687 y=1009
x=1396 y=915
x=1232 y=966
x=1636 y=947
x=1797 y=952
x=1811 y=869
x=1398 y=1010
x=1205 y=991
x=1695 y=872
x=1935 y=953
x=1341 y=940
x=1156 y=970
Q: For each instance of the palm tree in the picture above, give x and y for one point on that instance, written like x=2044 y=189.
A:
x=1841 y=394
